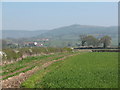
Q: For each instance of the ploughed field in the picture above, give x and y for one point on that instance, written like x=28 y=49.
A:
x=86 y=70
x=64 y=70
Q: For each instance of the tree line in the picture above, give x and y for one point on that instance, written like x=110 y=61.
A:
x=89 y=40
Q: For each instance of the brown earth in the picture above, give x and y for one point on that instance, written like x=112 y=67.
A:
x=29 y=66
x=15 y=81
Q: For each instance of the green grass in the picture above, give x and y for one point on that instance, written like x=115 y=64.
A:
x=29 y=62
x=21 y=64
x=89 y=70
x=18 y=72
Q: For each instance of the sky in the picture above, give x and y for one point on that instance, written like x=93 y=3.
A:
x=50 y=15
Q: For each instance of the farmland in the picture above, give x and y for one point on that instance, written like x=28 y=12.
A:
x=59 y=45
x=30 y=65
x=85 y=70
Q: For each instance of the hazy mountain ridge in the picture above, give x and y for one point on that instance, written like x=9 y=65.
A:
x=71 y=33
x=66 y=32
x=76 y=30
x=21 y=33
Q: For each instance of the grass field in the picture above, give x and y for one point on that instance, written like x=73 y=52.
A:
x=87 y=70
x=29 y=63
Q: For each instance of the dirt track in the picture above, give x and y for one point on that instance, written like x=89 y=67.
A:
x=15 y=81
x=28 y=66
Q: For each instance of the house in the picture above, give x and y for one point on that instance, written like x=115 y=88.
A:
x=33 y=44
x=30 y=43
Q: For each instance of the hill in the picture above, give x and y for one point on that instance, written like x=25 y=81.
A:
x=21 y=33
x=72 y=32
x=63 y=35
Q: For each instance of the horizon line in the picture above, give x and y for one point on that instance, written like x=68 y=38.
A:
x=64 y=26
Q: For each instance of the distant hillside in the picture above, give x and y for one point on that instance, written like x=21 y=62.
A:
x=66 y=32
x=64 y=35
x=73 y=31
x=21 y=33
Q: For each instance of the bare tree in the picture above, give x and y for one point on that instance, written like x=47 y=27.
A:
x=83 y=39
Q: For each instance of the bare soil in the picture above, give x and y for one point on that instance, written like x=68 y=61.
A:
x=15 y=81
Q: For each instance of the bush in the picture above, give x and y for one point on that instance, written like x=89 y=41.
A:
x=13 y=54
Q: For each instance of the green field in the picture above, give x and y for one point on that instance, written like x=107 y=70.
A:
x=86 y=70
x=29 y=63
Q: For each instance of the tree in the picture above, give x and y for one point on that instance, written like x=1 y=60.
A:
x=106 y=40
x=83 y=39
x=91 y=40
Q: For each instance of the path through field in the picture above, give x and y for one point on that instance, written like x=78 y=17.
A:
x=15 y=81
x=64 y=70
